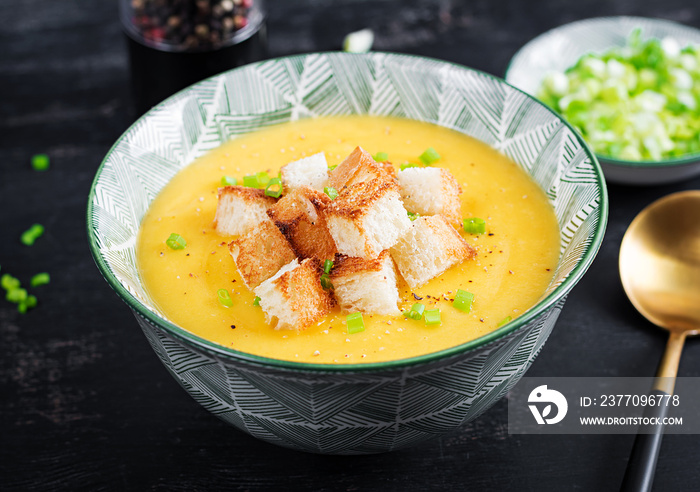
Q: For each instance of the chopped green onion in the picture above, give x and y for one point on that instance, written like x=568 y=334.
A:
x=28 y=303
x=40 y=279
x=32 y=234
x=416 y=311
x=8 y=282
x=262 y=178
x=358 y=41
x=474 y=225
x=224 y=298
x=412 y=216
x=176 y=241
x=256 y=301
x=429 y=156
x=326 y=282
x=327 y=266
x=16 y=295
x=228 y=181
x=331 y=192
x=330 y=168
x=432 y=317
x=355 y=323
x=274 y=193
x=407 y=165
x=250 y=180
x=505 y=320
x=40 y=162
x=463 y=300
x=381 y=157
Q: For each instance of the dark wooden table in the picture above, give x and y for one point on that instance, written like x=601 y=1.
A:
x=86 y=405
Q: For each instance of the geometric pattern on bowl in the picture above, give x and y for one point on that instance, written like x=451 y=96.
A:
x=349 y=408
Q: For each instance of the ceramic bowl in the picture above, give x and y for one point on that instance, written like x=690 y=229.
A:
x=560 y=48
x=360 y=408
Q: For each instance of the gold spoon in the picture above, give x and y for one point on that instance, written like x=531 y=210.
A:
x=660 y=272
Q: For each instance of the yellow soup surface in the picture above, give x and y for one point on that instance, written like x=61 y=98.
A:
x=515 y=259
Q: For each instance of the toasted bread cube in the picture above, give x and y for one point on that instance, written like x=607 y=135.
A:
x=367 y=218
x=428 y=248
x=260 y=253
x=431 y=191
x=358 y=167
x=368 y=286
x=299 y=218
x=240 y=208
x=293 y=297
x=310 y=171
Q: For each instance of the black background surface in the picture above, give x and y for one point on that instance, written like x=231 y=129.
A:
x=86 y=405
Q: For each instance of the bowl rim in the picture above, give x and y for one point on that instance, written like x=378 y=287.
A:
x=201 y=344
x=686 y=159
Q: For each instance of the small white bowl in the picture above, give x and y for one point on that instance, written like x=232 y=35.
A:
x=560 y=48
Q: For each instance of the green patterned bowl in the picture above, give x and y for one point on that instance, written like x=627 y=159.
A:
x=362 y=408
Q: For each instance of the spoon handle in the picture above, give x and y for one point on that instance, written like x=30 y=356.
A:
x=641 y=466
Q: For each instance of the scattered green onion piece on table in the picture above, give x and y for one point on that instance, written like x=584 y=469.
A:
x=327 y=266
x=274 y=193
x=42 y=278
x=16 y=295
x=474 y=225
x=40 y=162
x=256 y=301
x=381 y=157
x=224 y=298
x=505 y=320
x=463 y=300
x=228 y=181
x=432 y=317
x=326 y=282
x=32 y=234
x=355 y=323
x=429 y=157
x=176 y=241
x=250 y=180
x=8 y=282
x=331 y=192
x=358 y=41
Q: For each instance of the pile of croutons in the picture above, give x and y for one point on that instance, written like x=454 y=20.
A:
x=363 y=225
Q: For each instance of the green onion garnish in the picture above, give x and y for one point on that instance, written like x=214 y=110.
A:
x=28 y=303
x=355 y=323
x=327 y=266
x=256 y=301
x=474 y=225
x=463 y=300
x=228 y=181
x=412 y=216
x=406 y=165
x=262 y=178
x=432 y=317
x=330 y=168
x=416 y=311
x=326 y=282
x=8 y=282
x=16 y=295
x=32 y=234
x=381 y=157
x=224 y=297
x=176 y=241
x=505 y=320
x=40 y=279
x=40 y=162
x=331 y=192
x=250 y=180
x=271 y=192
x=429 y=156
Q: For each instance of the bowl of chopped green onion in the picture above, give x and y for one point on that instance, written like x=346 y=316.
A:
x=629 y=85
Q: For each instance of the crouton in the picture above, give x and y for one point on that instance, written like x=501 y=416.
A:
x=293 y=297
x=358 y=167
x=260 y=253
x=367 y=218
x=431 y=191
x=363 y=285
x=240 y=208
x=310 y=171
x=298 y=217
x=428 y=248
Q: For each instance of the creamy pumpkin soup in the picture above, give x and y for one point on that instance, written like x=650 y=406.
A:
x=514 y=263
